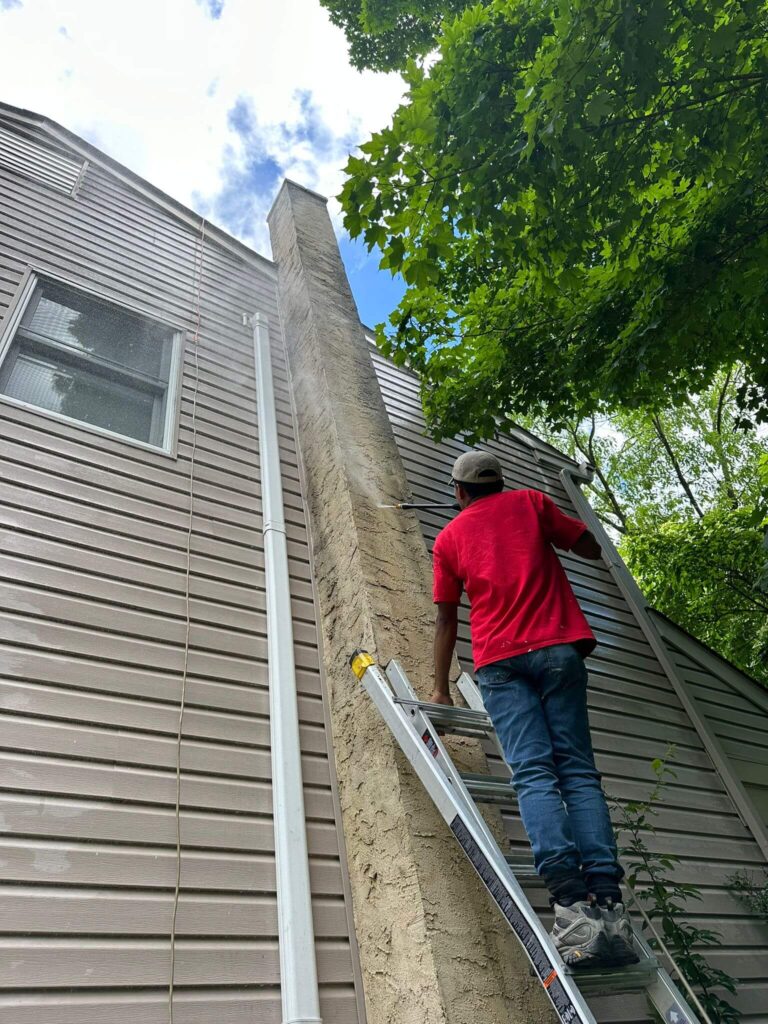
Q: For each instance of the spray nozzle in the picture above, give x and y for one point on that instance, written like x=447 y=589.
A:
x=416 y=504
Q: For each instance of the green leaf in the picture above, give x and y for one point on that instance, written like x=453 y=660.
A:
x=598 y=107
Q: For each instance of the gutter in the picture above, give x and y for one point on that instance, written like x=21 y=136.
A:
x=298 y=968
x=572 y=478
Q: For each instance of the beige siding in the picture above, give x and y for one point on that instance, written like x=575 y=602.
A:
x=93 y=535
x=634 y=712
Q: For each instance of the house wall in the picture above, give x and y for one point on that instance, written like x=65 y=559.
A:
x=93 y=535
x=735 y=707
x=635 y=715
x=738 y=725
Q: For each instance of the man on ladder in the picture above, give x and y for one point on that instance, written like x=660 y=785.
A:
x=529 y=639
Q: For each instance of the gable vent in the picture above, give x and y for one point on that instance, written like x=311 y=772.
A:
x=35 y=161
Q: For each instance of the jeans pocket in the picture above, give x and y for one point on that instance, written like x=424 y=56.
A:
x=485 y=679
x=565 y=660
x=496 y=674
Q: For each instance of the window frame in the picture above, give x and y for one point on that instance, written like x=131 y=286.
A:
x=15 y=314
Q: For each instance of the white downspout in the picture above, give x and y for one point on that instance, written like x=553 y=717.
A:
x=298 y=969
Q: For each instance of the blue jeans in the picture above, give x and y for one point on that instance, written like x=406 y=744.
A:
x=538 y=705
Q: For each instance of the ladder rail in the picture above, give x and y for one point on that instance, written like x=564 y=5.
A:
x=470 y=691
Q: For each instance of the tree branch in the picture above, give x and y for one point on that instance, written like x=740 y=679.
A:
x=503 y=69
x=591 y=455
x=718 y=446
x=655 y=419
x=604 y=518
x=721 y=401
x=749 y=596
x=654 y=115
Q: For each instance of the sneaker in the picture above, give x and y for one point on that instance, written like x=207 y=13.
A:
x=579 y=935
x=619 y=934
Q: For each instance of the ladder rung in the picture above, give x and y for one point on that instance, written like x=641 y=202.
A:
x=488 y=789
x=620 y=979
x=459 y=720
x=523 y=870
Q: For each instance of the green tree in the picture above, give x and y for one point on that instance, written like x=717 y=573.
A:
x=575 y=194
x=385 y=34
x=684 y=494
x=703 y=574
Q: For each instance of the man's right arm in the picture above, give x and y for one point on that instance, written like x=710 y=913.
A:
x=564 y=531
x=587 y=547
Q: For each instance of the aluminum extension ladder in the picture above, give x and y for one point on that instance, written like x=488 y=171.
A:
x=414 y=725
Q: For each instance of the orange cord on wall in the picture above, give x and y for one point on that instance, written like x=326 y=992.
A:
x=188 y=617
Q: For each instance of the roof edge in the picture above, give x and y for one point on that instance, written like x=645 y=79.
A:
x=710 y=652
x=135 y=181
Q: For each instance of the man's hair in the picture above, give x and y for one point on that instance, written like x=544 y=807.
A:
x=481 y=490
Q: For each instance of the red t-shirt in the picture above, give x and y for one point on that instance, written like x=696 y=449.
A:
x=499 y=549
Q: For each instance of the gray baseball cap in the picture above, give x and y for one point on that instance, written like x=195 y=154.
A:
x=477 y=468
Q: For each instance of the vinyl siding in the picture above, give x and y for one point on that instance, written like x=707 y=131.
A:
x=634 y=711
x=735 y=706
x=93 y=534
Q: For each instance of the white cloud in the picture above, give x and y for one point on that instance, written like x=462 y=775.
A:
x=153 y=84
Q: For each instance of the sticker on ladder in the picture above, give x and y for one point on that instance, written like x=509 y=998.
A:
x=431 y=745
x=675 y=1015
x=537 y=954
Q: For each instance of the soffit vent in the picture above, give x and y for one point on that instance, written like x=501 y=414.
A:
x=48 y=166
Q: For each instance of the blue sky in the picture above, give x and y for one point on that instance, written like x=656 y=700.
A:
x=376 y=292
x=215 y=105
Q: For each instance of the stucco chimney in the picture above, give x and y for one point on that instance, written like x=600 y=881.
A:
x=432 y=947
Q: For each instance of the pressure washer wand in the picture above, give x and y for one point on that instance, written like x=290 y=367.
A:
x=415 y=504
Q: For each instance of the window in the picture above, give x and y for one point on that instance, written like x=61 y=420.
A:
x=84 y=359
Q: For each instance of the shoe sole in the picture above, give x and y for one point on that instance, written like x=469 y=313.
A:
x=586 y=962
x=584 y=959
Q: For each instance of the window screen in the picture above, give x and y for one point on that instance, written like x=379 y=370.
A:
x=93 y=362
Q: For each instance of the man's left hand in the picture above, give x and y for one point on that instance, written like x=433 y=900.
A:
x=438 y=697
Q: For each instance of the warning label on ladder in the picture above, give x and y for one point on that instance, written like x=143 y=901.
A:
x=431 y=745
x=538 y=956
